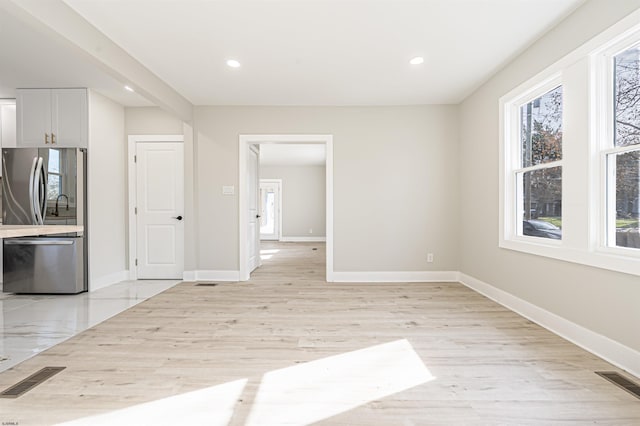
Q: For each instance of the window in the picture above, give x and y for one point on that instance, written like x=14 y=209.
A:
x=54 y=179
x=622 y=155
x=532 y=144
x=539 y=178
x=570 y=156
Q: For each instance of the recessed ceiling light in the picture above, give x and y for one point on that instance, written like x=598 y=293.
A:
x=233 y=63
x=417 y=60
x=129 y=88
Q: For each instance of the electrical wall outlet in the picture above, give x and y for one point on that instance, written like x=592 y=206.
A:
x=430 y=257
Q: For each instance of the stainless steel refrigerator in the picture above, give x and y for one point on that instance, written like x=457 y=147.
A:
x=45 y=186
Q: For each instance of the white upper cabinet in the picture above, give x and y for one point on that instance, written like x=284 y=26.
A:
x=52 y=117
x=33 y=117
x=69 y=117
x=7 y=124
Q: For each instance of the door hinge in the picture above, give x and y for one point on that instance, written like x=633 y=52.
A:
x=136 y=262
x=135 y=158
x=135 y=210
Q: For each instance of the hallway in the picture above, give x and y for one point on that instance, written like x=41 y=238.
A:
x=288 y=348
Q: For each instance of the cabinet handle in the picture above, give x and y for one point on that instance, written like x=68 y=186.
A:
x=53 y=138
x=46 y=138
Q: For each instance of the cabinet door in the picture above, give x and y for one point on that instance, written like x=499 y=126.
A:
x=33 y=117
x=69 y=117
x=8 y=124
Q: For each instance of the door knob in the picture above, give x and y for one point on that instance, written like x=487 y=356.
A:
x=257 y=216
x=178 y=217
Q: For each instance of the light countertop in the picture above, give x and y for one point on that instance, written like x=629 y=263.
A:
x=11 y=231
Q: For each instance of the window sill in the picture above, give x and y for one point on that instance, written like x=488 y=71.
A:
x=613 y=259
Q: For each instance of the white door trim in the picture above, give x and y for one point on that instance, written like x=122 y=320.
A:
x=131 y=152
x=279 y=206
x=244 y=142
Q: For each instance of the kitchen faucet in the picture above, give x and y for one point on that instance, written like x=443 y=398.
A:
x=57 y=213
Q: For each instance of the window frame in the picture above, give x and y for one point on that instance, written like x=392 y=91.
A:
x=511 y=208
x=603 y=146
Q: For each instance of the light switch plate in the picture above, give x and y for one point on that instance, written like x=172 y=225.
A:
x=228 y=190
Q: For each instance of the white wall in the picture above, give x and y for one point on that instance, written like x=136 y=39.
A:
x=106 y=192
x=602 y=301
x=303 y=199
x=151 y=121
x=406 y=157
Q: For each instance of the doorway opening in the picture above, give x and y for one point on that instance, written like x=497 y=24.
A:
x=248 y=238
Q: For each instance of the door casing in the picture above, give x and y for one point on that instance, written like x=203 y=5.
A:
x=244 y=142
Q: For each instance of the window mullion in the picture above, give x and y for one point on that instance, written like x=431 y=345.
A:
x=610 y=200
x=539 y=167
x=621 y=149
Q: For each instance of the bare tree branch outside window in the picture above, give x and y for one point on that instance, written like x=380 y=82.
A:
x=627 y=133
x=541 y=143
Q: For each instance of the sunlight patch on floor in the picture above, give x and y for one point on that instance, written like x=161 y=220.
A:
x=210 y=406
x=266 y=254
x=299 y=395
x=269 y=251
x=313 y=391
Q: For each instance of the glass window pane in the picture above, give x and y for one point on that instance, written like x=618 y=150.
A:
x=54 y=161
x=542 y=203
x=53 y=187
x=267 y=221
x=627 y=97
x=627 y=199
x=541 y=129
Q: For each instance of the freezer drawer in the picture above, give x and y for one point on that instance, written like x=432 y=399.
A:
x=43 y=265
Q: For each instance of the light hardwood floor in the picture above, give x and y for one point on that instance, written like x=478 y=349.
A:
x=288 y=348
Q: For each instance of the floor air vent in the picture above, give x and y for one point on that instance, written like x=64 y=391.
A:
x=621 y=381
x=31 y=382
x=207 y=284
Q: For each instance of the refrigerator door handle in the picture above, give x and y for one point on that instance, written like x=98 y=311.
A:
x=37 y=189
x=40 y=242
x=32 y=206
x=43 y=191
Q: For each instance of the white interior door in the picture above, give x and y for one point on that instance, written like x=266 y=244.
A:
x=270 y=209
x=253 y=234
x=160 y=206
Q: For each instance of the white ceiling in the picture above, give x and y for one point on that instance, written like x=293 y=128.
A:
x=30 y=58
x=322 y=52
x=292 y=154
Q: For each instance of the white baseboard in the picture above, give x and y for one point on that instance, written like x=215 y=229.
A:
x=303 y=239
x=96 y=283
x=616 y=353
x=211 y=276
x=395 y=276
